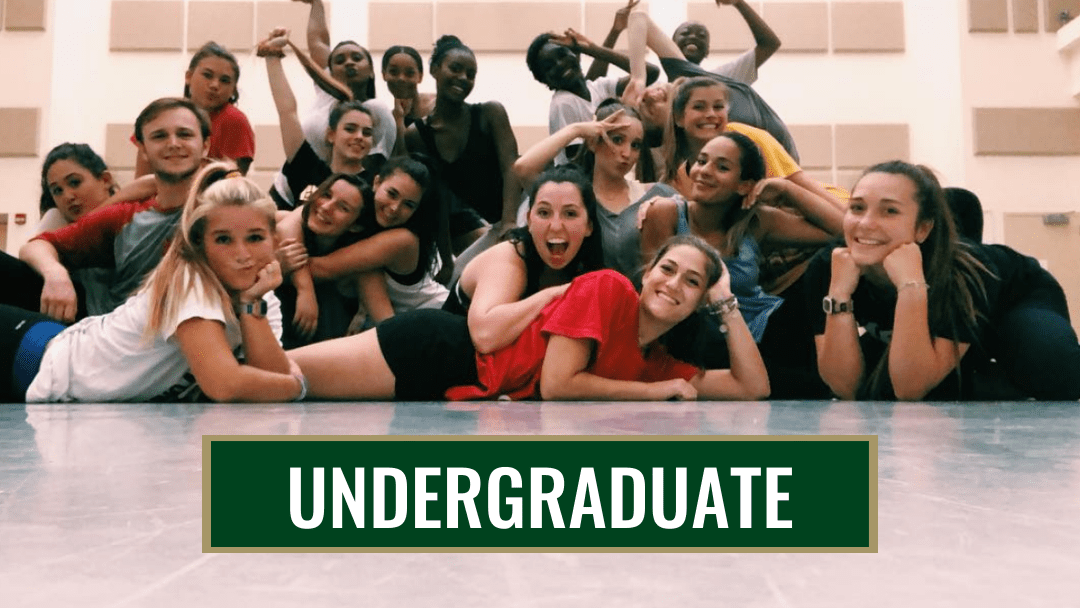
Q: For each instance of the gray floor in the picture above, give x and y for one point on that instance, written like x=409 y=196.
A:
x=979 y=505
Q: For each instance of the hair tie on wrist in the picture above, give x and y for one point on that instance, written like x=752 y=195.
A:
x=913 y=284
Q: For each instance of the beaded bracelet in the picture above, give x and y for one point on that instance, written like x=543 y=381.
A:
x=723 y=307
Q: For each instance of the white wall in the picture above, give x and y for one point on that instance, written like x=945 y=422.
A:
x=932 y=86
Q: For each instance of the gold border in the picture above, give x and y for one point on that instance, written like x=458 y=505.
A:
x=873 y=503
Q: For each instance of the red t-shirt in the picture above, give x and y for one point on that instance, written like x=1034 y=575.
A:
x=601 y=306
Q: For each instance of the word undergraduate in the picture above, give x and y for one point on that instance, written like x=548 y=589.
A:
x=587 y=498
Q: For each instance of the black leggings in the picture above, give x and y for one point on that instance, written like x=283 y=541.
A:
x=429 y=351
x=22 y=286
x=23 y=336
x=1036 y=346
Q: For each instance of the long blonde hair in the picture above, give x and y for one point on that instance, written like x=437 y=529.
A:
x=217 y=185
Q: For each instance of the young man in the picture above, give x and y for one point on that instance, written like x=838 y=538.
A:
x=555 y=61
x=127 y=237
x=693 y=40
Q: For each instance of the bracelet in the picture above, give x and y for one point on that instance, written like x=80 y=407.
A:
x=723 y=307
x=303 y=386
x=913 y=284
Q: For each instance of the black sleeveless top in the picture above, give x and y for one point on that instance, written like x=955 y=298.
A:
x=475 y=176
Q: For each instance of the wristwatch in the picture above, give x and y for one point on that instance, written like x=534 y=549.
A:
x=835 y=307
x=255 y=309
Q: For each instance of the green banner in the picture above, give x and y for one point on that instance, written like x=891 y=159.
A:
x=415 y=494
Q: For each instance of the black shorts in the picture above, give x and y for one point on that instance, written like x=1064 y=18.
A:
x=429 y=351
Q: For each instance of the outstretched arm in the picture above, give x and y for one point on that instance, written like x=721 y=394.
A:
x=318 y=34
x=563 y=377
x=397 y=249
x=580 y=43
x=533 y=161
x=766 y=42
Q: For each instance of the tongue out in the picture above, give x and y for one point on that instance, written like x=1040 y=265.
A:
x=558 y=248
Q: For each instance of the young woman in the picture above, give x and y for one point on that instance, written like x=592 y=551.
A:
x=74 y=182
x=503 y=288
x=209 y=295
x=380 y=239
x=600 y=340
x=210 y=82
x=612 y=148
x=930 y=303
x=474 y=145
x=402 y=70
x=719 y=210
x=348 y=133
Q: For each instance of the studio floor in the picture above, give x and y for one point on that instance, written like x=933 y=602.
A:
x=979 y=505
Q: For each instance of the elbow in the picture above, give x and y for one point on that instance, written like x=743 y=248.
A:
x=220 y=392
x=484 y=342
x=760 y=390
x=909 y=392
x=552 y=389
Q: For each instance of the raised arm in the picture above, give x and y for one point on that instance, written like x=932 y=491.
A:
x=766 y=42
x=535 y=159
x=918 y=361
x=266 y=375
x=747 y=378
x=580 y=43
x=292 y=133
x=496 y=279
x=599 y=67
x=318 y=33
x=839 y=354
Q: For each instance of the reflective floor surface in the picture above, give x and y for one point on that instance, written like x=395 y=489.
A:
x=979 y=505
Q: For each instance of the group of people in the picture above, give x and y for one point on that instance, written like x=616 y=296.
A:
x=662 y=243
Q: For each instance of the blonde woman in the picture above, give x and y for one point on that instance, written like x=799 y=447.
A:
x=211 y=294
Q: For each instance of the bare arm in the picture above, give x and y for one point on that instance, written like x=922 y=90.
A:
x=396 y=249
x=138 y=189
x=506 y=148
x=918 y=361
x=599 y=67
x=659 y=224
x=496 y=314
x=766 y=42
x=58 y=298
x=292 y=133
x=747 y=378
x=839 y=354
x=373 y=296
x=583 y=45
x=563 y=377
x=532 y=162
x=318 y=33
x=220 y=375
x=786 y=228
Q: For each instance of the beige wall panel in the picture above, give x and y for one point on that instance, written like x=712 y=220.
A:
x=528 y=136
x=802 y=27
x=509 y=26
x=1057 y=246
x=728 y=32
x=867 y=26
x=407 y=23
x=143 y=25
x=859 y=146
x=599 y=17
x=1025 y=14
x=19 y=131
x=24 y=14
x=846 y=178
x=230 y=24
x=119 y=151
x=1 y=26
x=1027 y=131
x=815 y=143
x=1053 y=12
x=291 y=15
x=264 y=179
x=269 y=153
x=123 y=176
x=988 y=16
